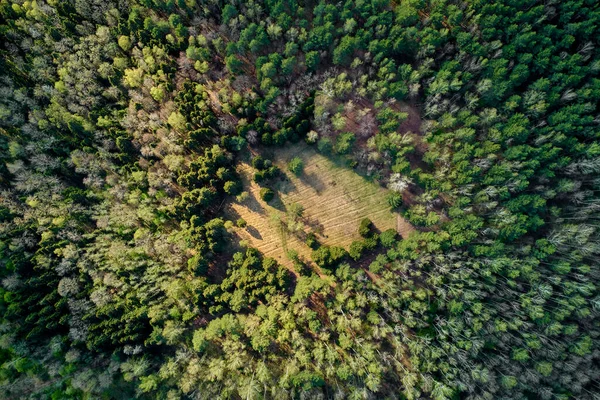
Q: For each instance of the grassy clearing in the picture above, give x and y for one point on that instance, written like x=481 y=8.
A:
x=334 y=199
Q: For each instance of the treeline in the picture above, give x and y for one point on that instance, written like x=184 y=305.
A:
x=121 y=127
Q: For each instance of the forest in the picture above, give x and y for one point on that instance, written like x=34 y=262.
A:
x=300 y=199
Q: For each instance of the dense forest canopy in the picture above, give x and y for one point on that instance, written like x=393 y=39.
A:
x=131 y=131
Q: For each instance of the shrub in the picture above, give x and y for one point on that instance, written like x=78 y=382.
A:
x=241 y=223
x=388 y=238
x=364 y=229
x=296 y=165
x=267 y=194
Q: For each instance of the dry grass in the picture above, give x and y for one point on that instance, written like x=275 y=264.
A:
x=334 y=199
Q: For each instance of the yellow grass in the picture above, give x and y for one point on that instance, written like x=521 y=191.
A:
x=334 y=198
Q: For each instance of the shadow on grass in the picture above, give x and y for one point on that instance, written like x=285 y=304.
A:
x=254 y=232
x=277 y=204
x=285 y=184
x=313 y=180
x=253 y=204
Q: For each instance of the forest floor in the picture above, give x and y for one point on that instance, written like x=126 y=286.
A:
x=334 y=198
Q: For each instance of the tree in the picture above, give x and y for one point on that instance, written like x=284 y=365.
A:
x=133 y=77
x=229 y=12
x=232 y=188
x=296 y=165
x=311 y=241
x=356 y=249
x=342 y=55
x=234 y=64
x=344 y=143
x=388 y=238
x=124 y=42
x=324 y=145
x=267 y=194
x=394 y=200
x=311 y=60
x=328 y=257
x=365 y=228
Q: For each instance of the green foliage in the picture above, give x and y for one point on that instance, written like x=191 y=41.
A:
x=388 y=238
x=328 y=257
x=122 y=131
x=296 y=165
x=267 y=194
x=356 y=249
x=365 y=228
x=232 y=187
x=324 y=145
x=311 y=241
x=344 y=143
x=311 y=60
x=394 y=200
x=418 y=215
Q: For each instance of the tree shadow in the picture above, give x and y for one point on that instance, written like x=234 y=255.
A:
x=277 y=204
x=285 y=184
x=315 y=226
x=253 y=204
x=254 y=232
x=313 y=180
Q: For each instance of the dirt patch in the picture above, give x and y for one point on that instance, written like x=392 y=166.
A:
x=334 y=200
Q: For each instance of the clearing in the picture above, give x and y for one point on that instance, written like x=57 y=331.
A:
x=334 y=199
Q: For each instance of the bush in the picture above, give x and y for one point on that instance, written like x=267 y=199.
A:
x=394 y=200
x=388 y=238
x=364 y=229
x=241 y=223
x=296 y=165
x=267 y=194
